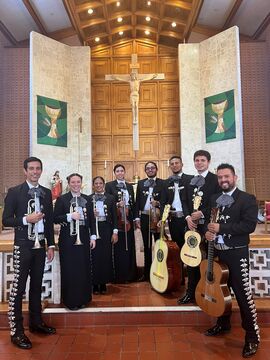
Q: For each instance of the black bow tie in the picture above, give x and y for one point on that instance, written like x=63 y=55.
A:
x=197 y=181
x=174 y=178
x=225 y=200
x=100 y=197
x=149 y=183
x=38 y=191
x=79 y=200
x=121 y=186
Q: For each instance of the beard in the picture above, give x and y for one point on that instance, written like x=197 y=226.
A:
x=226 y=187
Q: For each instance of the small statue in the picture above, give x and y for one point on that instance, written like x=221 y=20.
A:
x=56 y=184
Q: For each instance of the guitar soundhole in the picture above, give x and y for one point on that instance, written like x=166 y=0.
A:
x=160 y=255
x=192 y=241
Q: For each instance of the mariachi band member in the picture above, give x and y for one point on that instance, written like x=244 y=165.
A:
x=237 y=219
x=124 y=249
x=71 y=212
x=104 y=230
x=174 y=194
x=28 y=208
x=204 y=184
x=147 y=212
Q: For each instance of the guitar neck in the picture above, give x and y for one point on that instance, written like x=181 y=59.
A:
x=210 y=263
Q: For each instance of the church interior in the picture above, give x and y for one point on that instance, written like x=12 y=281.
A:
x=182 y=52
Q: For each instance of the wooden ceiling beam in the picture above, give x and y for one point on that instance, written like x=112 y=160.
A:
x=74 y=18
x=205 y=30
x=133 y=18
x=180 y=4
x=192 y=19
x=171 y=34
x=35 y=17
x=62 y=34
x=262 y=27
x=161 y=14
x=8 y=34
x=108 y=28
x=234 y=10
x=101 y=36
x=88 y=23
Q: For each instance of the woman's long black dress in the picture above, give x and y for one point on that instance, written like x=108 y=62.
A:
x=75 y=263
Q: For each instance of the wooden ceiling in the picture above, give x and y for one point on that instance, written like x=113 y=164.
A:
x=166 y=22
x=106 y=22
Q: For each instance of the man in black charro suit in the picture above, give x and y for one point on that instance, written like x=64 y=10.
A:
x=236 y=220
x=29 y=226
x=148 y=195
x=205 y=184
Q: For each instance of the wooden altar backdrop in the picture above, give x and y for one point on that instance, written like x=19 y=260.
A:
x=159 y=123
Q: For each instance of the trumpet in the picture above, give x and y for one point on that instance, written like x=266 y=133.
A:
x=95 y=208
x=75 y=224
x=33 y=228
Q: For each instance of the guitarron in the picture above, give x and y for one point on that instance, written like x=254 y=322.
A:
x=165 y=269
x=191 y=253
x=212 y=293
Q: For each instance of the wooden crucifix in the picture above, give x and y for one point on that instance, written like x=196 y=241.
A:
x=134 y=79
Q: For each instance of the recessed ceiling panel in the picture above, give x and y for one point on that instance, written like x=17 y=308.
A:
x=52 y=14
x=249 y=18
x=17 y=19
x=215 y=13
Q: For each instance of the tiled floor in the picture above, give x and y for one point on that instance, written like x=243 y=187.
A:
x=132 y=343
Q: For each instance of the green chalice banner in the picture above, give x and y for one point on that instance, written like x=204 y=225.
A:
x=51 y=121
x=219 y=117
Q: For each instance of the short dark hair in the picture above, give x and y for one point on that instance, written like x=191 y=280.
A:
x=226 y=166
x=202 y=153
x=98 y=177
x=150 y=162
x=117 y=166
x=73 y=174
x=175 y=157
x=31 y=159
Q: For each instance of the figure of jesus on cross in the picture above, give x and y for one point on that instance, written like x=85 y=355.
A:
x=134 y=79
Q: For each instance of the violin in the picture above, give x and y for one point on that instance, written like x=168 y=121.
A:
x=122 y=216
x=154 y=218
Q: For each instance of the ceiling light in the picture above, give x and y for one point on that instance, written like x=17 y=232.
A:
x=147 y=32
x=97 y=39
x=118 y=3
x=90 y=11
x=119 y=19
x=173 y=24
x=149 y=3
x=121 y=33
x=147 y=18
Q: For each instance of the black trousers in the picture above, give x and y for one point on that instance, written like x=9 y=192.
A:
x=237 y=261
x=26 y=261
x=147 y=243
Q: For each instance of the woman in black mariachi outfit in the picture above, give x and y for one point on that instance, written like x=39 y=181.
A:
x=103 y=223
x=124 y=250
x=71 y=212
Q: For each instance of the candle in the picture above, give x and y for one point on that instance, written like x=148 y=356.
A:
x=105 y=164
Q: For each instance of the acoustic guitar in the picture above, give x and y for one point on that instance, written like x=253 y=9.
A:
x=212 y=293
x=191 y=253
x=165 y=271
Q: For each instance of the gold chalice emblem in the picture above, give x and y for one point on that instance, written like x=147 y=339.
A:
x=219 y=108
x=54 y=115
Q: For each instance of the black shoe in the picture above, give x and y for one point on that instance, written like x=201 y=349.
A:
x=21 y=341
x=96 y=289
x=186 y=299
x=217 y=330
x=103 y=289
x=249 y=349
x=42 y=329
x=73 y=308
